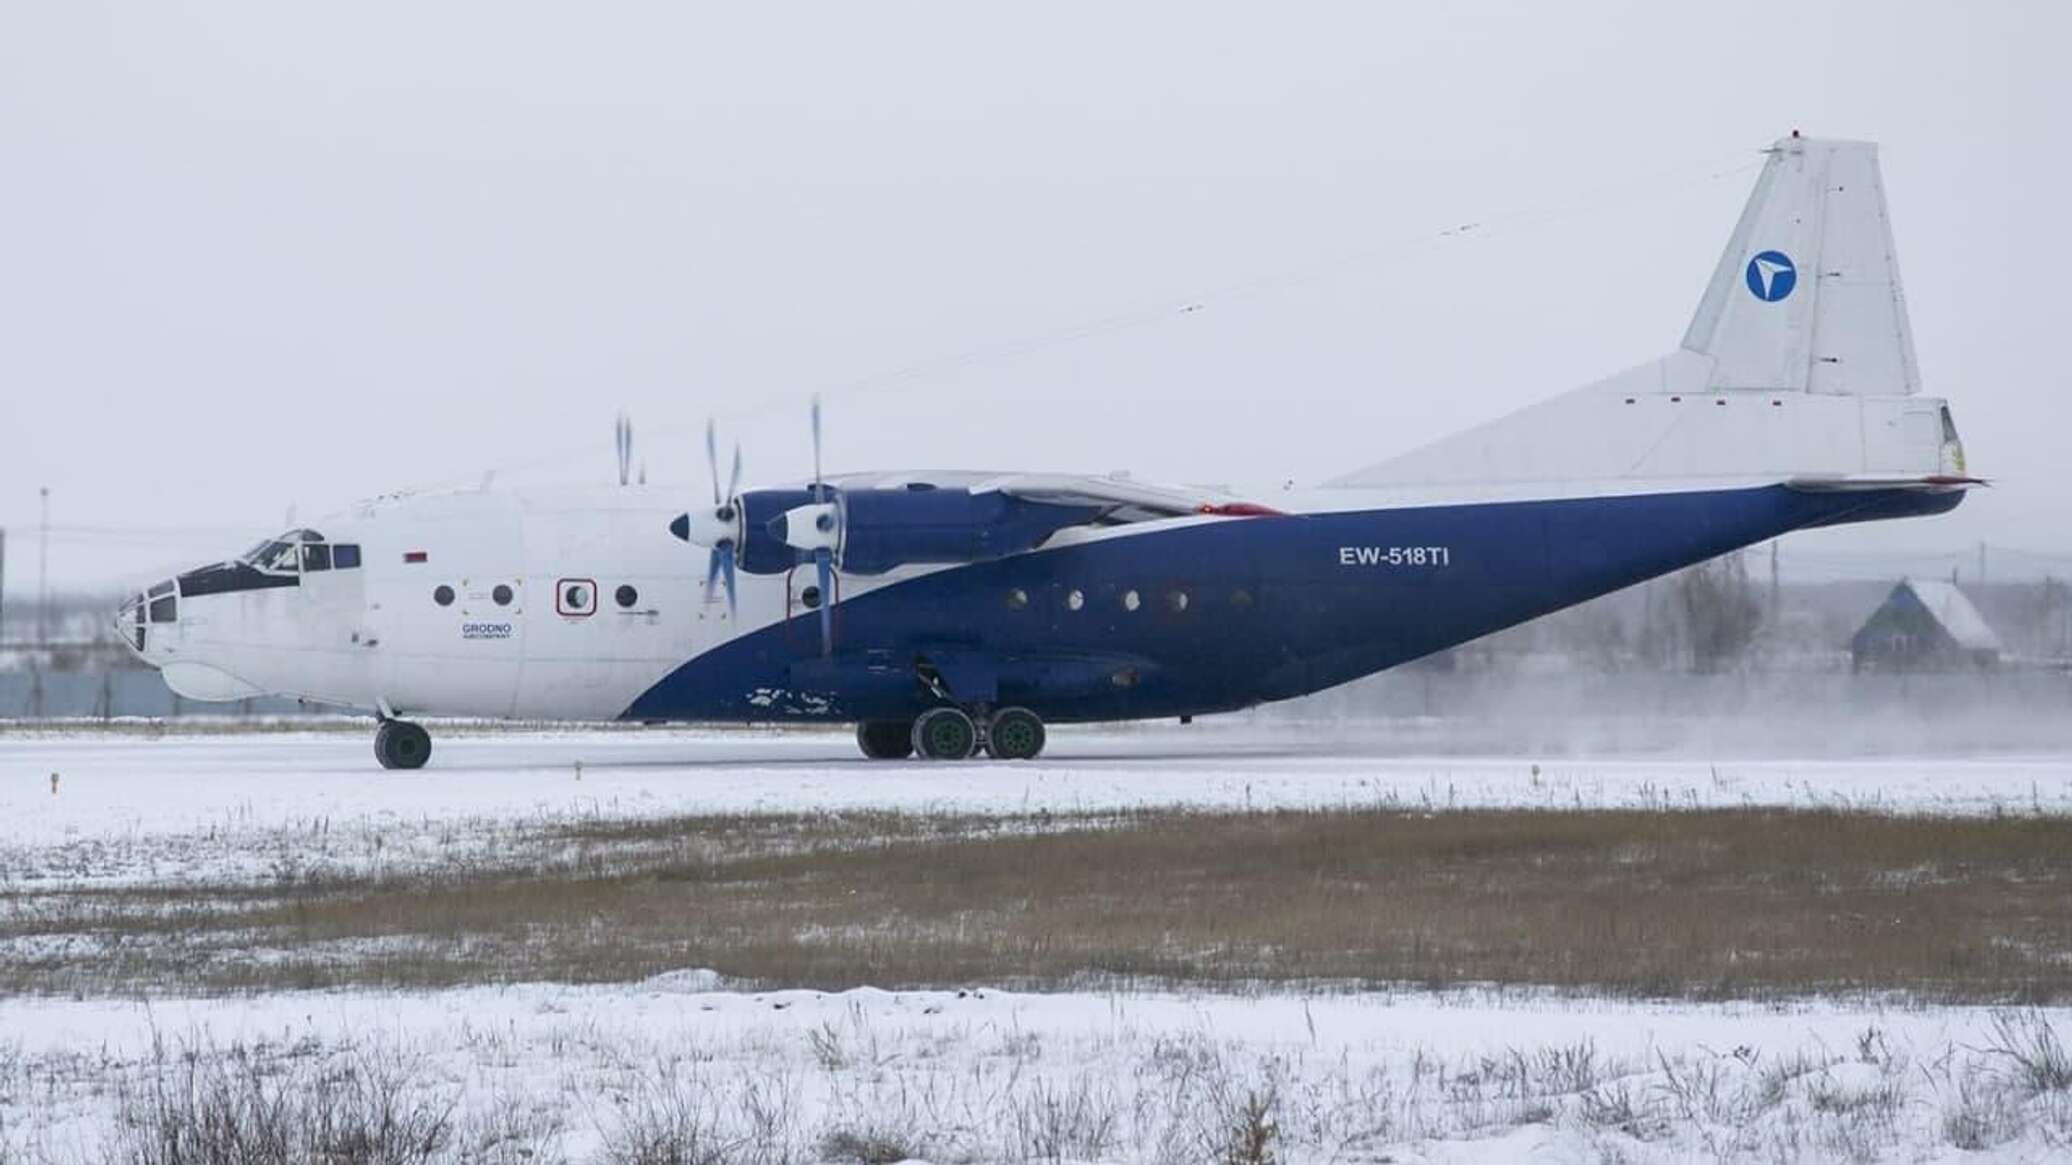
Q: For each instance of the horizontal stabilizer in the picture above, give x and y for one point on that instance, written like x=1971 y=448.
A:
x=1854 y=482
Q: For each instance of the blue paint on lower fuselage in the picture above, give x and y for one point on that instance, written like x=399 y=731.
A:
x=1272 y=609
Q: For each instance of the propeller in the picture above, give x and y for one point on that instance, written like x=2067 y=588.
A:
x=721 y=526
x=823 y=554
x=815 y=528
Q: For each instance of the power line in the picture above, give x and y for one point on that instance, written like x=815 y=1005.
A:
x=1163 y=310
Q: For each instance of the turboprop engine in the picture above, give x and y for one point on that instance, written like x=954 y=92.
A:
x=867 y=530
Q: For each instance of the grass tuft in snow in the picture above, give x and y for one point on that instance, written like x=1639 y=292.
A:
x=358 y=1106
x=962 y=1093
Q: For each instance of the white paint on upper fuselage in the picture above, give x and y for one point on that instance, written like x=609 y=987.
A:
x=377 y=635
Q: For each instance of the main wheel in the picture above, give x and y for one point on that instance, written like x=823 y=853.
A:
x=945 y=734
x=1014 y=734
x=399 y=744
x=885 y=739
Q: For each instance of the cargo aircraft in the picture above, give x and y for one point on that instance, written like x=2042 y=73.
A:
x=956 y=613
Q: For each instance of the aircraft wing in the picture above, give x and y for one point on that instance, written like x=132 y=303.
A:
x=1125 y=500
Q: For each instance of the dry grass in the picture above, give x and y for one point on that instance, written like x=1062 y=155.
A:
x=1707 y=904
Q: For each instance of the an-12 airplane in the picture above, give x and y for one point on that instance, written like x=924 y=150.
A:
x=948 y=614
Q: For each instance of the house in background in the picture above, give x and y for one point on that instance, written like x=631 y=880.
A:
x=1925 y=626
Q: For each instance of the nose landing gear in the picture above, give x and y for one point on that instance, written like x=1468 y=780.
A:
x=399 y=744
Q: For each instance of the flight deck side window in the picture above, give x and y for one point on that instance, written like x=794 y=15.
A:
x=315 y=556
x=345 y=556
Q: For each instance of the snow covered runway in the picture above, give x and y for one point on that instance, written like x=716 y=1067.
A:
x=192 y=808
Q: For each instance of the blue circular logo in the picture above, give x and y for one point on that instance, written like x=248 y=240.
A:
x=1771 y=276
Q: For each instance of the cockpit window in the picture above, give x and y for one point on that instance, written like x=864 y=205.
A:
x=277 y=557
x=345 y=556
x=315 y=556
x=285 y=554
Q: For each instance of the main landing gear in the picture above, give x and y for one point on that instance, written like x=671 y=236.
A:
x=399 y=744
x=950 y=733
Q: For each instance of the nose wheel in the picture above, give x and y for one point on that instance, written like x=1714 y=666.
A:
x=399 y=744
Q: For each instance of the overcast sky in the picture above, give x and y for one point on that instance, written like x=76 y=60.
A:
x=262 y=255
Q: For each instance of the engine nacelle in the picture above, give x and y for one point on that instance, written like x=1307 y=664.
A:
x=764 y=550
x=875 y=530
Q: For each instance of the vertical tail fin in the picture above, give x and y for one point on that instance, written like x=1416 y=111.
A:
x=1807 y=296
x=1799 y=364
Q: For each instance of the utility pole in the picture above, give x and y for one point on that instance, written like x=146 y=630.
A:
x=43 y=573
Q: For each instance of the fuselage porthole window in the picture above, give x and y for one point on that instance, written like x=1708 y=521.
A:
x=810 y=597
x=1177 y=600
x=626 y=595
x=442 y=595
x=1131 y=600
x=1075 y=599
x=1241 y=598
x=1017 y=599
x=502 y=594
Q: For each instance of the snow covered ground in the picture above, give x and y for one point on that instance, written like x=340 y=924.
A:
x=581 y=1074
x=129 y=809
x=546 y=1072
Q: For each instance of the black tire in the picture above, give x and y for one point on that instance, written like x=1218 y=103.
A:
x=399 y=744
x=945 y=734
x=886 y=739
x=1014 y=734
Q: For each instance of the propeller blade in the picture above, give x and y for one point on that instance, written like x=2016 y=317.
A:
x=712 y=570
x=823 y=559
x=712 y=456
x=727 y=563
x=733 y=478
x=819 y=488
